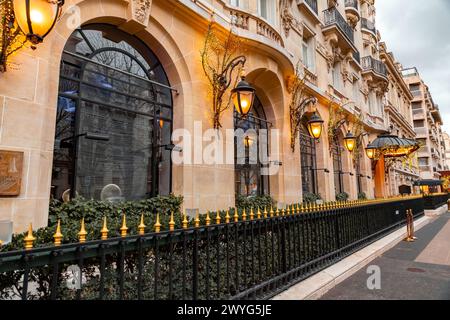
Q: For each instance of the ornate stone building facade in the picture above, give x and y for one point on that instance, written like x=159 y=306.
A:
x=70 y=87
x=399 y=117
x=427 y=125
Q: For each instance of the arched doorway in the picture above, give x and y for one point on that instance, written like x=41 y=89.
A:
x=114 y=118
x=249 y=180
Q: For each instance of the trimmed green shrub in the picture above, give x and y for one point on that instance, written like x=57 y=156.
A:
x=342 y=196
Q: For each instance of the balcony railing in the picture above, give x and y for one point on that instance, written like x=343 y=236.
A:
x=357 y=56
x=368 y=25
x=416 y=93
x=369 y=63
x=333 y=17
x=313 y=5
x=351 y=4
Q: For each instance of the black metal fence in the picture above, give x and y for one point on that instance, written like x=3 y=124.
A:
x=240 y=260
x=433 y=202
x=313 y=5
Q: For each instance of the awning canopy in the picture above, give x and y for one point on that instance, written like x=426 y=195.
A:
x=428 y=182
x=392 y=146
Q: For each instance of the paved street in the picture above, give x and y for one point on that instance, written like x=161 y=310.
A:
x=418 y=270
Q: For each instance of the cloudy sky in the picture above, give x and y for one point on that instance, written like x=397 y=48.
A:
x=418 y=33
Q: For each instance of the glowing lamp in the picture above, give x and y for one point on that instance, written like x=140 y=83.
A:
x=371 y=151
x=36 y=18
x=350 y=142
x=243 y=96
x=315 y=126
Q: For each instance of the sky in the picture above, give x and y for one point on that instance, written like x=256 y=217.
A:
x=418 y=33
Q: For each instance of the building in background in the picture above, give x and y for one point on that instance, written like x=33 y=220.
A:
x=427 y=125
x=404 y=173
x=446 y=140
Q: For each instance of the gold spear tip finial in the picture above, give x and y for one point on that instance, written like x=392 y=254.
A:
x=142 y=226
x=218 y=217
x=185 y=220
x=82 y=234
x=227 y=217
x=171 y=222
x=207 y=219
x=29 y=239
x=236 y=215
x=104 y=231
x=197 y=220
x=157 y=223
x=58 y=235
x=124 y=228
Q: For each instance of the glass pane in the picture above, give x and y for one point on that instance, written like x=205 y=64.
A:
x=116 y=101
x=123 y=160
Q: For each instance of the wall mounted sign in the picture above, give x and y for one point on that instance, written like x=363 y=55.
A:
x=11 y=165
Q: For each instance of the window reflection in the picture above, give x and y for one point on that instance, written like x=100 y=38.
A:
x=116 y=101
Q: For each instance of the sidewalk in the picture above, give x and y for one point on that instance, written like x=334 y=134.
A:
x=417 y=270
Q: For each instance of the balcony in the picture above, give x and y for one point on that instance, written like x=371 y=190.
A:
x=374 y=69
x=310 y=5
x=421 y=132
x=255 y=25
x=369 y=26
x=335 y=24
x=418 y=114
x=352 y=12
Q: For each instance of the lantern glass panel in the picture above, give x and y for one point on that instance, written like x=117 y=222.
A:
x=42 y=16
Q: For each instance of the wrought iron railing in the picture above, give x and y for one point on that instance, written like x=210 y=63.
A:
x=333 y=17
x=351 y=4
x=255 y=258
x=368 y=25
x=432 y=202
x=357 y=56
x=313 y=5
x=369 y=63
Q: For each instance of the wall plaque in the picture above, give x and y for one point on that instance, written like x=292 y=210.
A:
x=11 y=164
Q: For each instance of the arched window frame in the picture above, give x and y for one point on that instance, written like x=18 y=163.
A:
x=156 y=107
x=256 y=119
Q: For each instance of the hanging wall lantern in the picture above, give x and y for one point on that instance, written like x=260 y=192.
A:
x=243 y=96
x=315 y=126
x=371 y=151
x=350 y=142
x=36 y=18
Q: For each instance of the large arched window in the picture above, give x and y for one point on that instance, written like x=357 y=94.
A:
x=248 y=176
x=114 y=117
x=308 y=161
x=336 y=151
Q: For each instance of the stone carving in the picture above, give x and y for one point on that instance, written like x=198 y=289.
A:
x=140 y=10
x=333 y=53
x=288 y=21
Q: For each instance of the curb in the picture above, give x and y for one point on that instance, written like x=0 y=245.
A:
x=317 y=285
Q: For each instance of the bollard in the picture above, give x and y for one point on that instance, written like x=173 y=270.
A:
x=409 y=237
x=412 y=224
